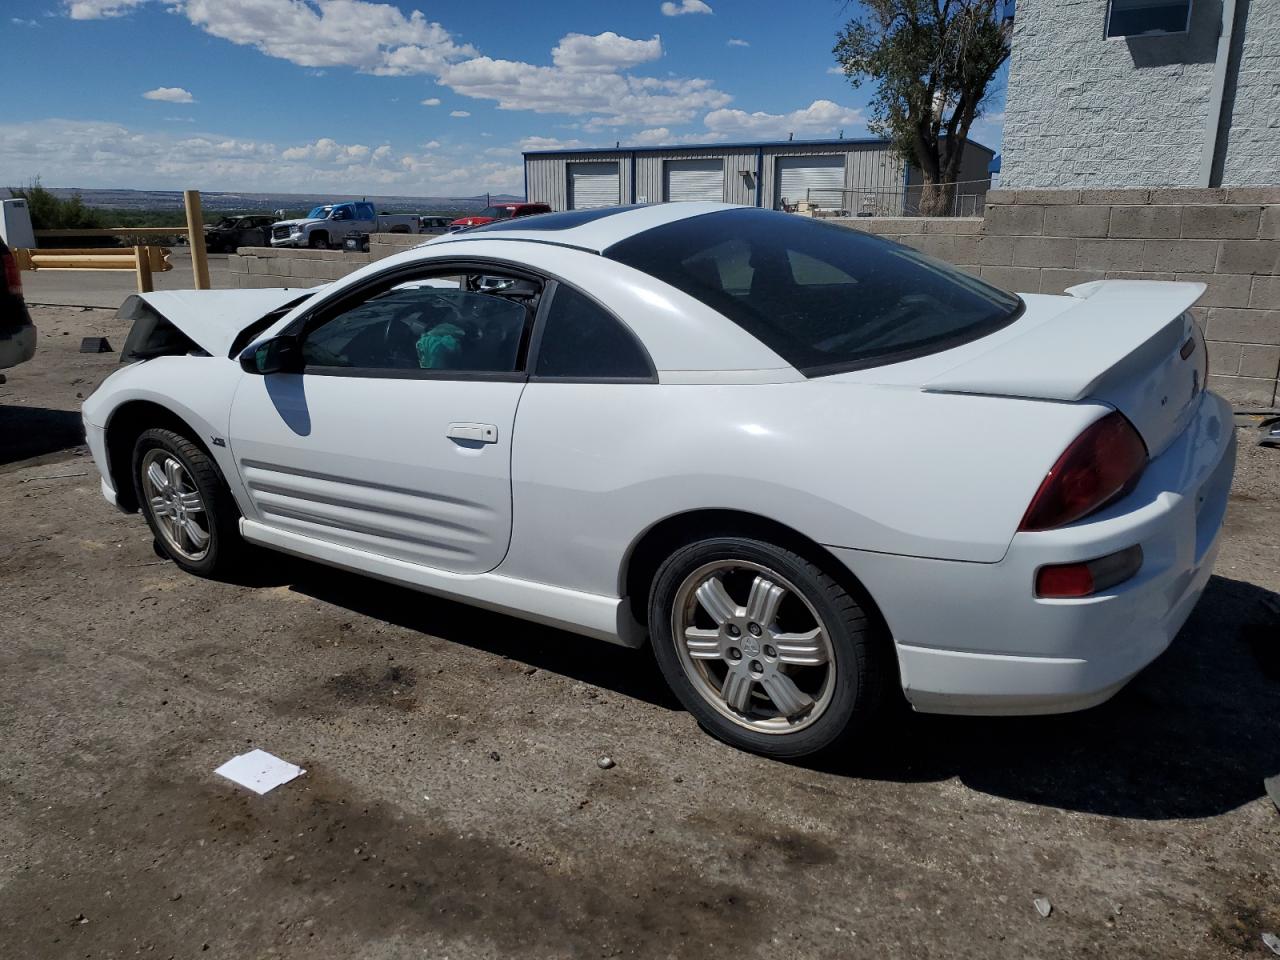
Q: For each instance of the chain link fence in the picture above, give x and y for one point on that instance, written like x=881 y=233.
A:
x=964 y=198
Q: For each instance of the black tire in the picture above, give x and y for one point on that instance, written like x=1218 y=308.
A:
x=226 y=549
x=862 y=669
x=318 y=240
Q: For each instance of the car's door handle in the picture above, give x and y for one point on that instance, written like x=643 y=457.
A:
x=475 y=432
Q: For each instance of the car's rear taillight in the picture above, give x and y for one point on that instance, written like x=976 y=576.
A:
x=1101 y=465
x=1069 y=581
x=12 y=276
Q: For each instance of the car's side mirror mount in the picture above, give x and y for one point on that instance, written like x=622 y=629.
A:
x=277 y=355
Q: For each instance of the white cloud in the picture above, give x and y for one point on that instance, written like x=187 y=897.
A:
x=736 y=42
x=23 y=23
x=670 y=9
x=651 y=137
x=836 y=71
x=169 y=95
x=371 y=37
x=97 y=154
x=549 y=143
x=431 y=145
x=606 y=51
x=459 y=113
x=615 y=99
x=822 y=117
x=326 y=150
x=587 y=76
x=431 y=102
x=99 y=9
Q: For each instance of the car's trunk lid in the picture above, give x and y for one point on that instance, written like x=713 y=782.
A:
x=1128 y=343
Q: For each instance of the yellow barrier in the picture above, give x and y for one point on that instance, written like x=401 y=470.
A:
x=144 y=260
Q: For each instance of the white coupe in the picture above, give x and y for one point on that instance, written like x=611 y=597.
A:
x=806 y=465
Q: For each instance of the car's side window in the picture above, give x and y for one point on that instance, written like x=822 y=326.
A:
x=582 y=341
x=431 y=324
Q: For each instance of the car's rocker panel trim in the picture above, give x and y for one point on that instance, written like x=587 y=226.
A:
x=592 y=615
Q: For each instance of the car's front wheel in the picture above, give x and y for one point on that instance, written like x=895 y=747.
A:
x=764 y=648
x=186 y=503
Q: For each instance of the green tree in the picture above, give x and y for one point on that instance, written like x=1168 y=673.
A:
x=932 y=62
x=50 y=212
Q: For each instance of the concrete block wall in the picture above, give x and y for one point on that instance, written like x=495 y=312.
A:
x=282 y=267
x=1043 y=241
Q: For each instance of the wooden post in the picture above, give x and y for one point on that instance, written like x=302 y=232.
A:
x=144 y=269
x=195 y=237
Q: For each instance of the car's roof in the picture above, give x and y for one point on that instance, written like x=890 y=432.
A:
x=594 y=230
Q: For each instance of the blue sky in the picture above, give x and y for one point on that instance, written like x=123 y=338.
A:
x=434 y=97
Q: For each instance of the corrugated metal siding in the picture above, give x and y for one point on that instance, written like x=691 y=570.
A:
x=700 y=179
x=866 y=166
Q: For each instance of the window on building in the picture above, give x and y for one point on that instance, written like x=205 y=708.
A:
x=1131 y=18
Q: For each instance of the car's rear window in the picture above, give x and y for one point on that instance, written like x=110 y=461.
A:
x=823 y=297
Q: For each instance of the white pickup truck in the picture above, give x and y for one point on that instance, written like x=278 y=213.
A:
x=327 y=225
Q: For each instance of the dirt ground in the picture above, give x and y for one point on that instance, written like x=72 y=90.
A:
x=453 y=806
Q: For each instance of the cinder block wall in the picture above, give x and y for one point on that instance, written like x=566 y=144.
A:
x=1043 y=241
x=287 y=267
x=282 y=267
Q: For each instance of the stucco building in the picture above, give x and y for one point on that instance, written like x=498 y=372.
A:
x=1143 y=93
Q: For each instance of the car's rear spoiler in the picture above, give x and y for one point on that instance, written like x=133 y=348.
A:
x=1068 y=356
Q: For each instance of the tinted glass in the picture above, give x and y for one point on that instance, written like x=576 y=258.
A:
x=1136 y=17
x=566 y=220
x=498 y=213
x=420 y=327
x=583 y=341
x=825 y=298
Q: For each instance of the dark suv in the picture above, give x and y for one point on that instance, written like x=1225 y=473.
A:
x=17 y=332
x=232 y=232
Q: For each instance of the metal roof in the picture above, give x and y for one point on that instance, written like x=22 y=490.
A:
x=749 y=144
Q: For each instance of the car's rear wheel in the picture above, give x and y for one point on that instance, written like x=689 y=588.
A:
x=186 y=503
x=764 y=648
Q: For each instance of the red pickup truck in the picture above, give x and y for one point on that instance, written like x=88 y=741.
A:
x=501 y=211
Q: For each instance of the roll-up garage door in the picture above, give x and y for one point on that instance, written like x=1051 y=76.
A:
x=594 y=185
x=694 y=179
x=817 y=179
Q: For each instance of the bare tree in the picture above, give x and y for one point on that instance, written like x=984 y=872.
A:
x=932 y=62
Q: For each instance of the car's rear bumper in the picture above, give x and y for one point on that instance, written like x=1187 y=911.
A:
x=17 y=345
x=972 y=637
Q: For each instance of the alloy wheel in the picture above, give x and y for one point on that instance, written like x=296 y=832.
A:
x=753 y=646
x=175 y=504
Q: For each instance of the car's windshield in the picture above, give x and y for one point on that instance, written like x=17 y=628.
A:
x=319 y=213
x=825 y=298
x=498 y=213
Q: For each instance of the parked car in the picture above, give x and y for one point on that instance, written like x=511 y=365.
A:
x=327 y=225
x=807 y=465
x=434 y=225
x=17 y=332
x=232 y=232
x=500 y=211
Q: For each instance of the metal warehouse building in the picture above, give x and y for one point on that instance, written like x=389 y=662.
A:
x=850 y=177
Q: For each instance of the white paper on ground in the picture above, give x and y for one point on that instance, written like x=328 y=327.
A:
x=259 y=771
